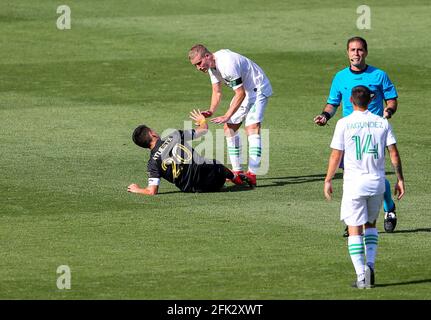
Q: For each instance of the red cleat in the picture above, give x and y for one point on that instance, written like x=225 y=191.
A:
x=238 y=180
x=242 y=180
x=236 y=177
x=251 y=177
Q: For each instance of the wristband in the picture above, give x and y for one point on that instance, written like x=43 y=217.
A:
x=207 y=114
x=326 y=115
x=390 y=112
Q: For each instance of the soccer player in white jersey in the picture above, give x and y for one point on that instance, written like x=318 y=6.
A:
x=384 y=104
x=363 y=137
x=252 y=90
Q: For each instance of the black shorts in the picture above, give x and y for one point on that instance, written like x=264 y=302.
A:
x=206 y=177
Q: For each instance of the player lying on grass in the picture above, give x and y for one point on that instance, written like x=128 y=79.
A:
x=174 y=160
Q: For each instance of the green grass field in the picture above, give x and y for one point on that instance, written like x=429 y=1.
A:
x=70 y=99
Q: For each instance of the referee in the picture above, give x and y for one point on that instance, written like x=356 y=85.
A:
x=383 y=90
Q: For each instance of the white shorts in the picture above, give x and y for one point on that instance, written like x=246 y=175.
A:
x=357 y=212
x=251 y=112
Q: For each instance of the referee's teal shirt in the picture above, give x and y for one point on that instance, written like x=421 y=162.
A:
x=375 y=79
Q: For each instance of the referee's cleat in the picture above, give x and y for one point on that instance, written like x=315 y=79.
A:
x=390 y=221
x=252 y=178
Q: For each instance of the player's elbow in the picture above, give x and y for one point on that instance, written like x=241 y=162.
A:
x=240 y=93
x=217 y=90
x=151 y=191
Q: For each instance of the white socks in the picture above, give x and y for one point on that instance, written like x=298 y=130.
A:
x=254 y=152
x=234 y=151
x=356 y=251
x=361 y=247
x=371 y=240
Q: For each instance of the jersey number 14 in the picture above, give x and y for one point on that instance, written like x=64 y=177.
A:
x=366 y=148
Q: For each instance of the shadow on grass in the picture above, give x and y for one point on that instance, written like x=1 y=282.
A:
x=402 y=283
x=409 y=230
x=168 y=192
x=232 y=188
x=236 y=188
x=278 y=182
x=281 y=181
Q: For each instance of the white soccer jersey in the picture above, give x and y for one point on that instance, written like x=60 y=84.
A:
x=235 y=70
x=363 y=137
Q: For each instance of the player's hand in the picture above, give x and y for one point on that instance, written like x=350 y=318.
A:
x=399 y=189
x=320 y=120
x=207 y=113
x=220 y=120
x=387 y=114
x=197 y=116
x=134 y=188
x=327 y=190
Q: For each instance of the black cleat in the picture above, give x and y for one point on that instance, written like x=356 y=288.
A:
x=346 y=232
x=390 y=221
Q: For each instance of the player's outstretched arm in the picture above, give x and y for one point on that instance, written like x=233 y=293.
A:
x=215 y=100
x=327 y=113
x=200 y=122
x=234 y=106
x=150 y=190
x=334 y=163
x=396 y=163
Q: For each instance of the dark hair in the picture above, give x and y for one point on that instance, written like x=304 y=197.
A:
x=362 y=40
x=141 y=136
x=361 y=96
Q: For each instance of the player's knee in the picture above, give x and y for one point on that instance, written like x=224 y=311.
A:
x=230 y=131
x=253 y=129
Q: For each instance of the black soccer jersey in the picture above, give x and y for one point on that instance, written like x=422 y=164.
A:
x=176 y=161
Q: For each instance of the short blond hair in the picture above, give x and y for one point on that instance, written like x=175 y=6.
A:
x=198 y=49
